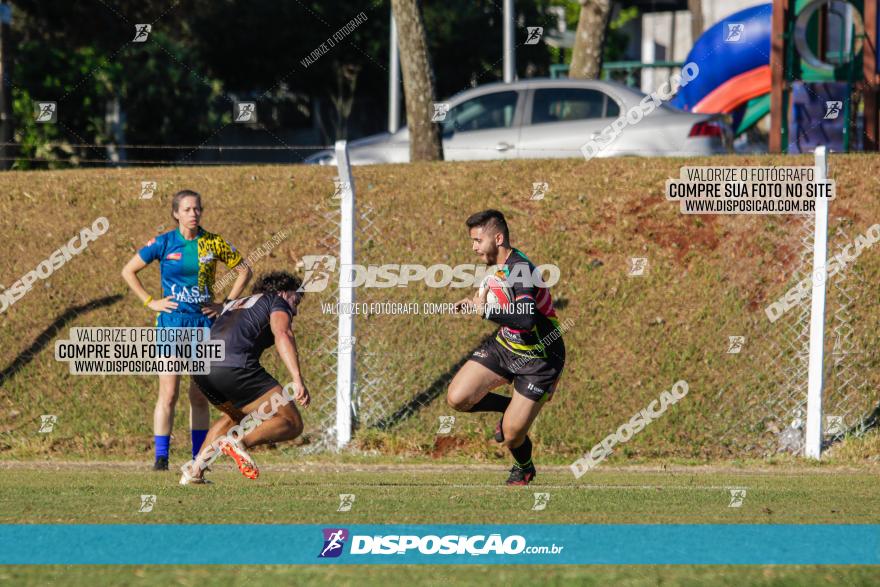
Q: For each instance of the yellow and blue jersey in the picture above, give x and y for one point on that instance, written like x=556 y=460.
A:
x=188 y=267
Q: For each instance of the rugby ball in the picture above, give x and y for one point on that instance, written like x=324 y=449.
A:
x=499 y=294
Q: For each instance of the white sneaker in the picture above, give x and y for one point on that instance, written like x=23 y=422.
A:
x=189 y=479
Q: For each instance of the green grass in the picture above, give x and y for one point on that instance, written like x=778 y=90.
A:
x=439 y=576
x=708 y=278
x=307 y=493
x=455 y=494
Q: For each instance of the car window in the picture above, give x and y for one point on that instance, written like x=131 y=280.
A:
x=663 y=105
x=561 y=104
x=484 y=112
x=612 y=110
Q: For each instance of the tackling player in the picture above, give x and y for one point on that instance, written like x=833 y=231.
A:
x=239 y=385
x=187 y=258
x=523 y=351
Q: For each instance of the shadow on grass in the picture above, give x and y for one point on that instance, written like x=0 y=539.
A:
x=868 y=423
x=424 y=398
x=45 y=337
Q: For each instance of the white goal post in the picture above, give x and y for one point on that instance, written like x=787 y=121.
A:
x=816 y=379
x=345 y=337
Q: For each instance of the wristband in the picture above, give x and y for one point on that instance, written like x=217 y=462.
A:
x=147 y=301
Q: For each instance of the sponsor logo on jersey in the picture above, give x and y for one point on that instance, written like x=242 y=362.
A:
x=174 y=256
x=190 y=295
x=206 y=258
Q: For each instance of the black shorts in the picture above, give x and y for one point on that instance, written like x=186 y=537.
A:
x=533 y=377
x=239 y=385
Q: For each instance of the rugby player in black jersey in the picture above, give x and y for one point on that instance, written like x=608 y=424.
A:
x=239 y=386
x=525 y=351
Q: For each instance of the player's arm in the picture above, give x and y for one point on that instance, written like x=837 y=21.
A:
x=465 y=303
x=244 y=275
x=522 y=312
x=285 y=345
x=241 y=280
x=474 y=304
x=129 y=274
x=235 y=262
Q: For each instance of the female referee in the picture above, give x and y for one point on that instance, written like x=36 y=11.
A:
x=187 y=259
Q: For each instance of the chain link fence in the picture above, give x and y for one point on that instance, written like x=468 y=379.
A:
x=765 y=410
x=398 y=371
x=762 y=408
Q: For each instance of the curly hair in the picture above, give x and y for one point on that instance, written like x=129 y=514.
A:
x=277 y=281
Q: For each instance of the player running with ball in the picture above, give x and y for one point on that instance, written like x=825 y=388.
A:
x=524 y=352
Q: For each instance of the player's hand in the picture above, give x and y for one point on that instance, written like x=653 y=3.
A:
x=470 y=305
x=302 y=396
x=480 y=300
x=462 y=305
x=166 y=305
x=212 y=310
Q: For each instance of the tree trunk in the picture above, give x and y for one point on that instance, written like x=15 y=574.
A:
x=5 y=96
x=696 y=9
x=586 y=58
x=418 y=82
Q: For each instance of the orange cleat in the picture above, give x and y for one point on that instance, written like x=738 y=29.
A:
x=237 y=453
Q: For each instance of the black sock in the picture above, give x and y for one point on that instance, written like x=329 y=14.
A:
x=491 y=402
x=523 y=454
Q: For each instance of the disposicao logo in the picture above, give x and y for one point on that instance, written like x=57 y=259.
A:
x=334 y=540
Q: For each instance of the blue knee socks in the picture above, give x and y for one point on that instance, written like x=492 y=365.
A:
x=198 y=438
x=161 y=443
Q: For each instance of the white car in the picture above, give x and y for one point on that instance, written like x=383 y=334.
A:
x=551 y=118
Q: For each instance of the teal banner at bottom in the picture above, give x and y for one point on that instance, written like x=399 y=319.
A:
x=622 y=544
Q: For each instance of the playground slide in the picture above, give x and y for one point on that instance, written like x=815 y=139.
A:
x=734 y=64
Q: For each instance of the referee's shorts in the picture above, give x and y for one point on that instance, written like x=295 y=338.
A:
x=178 y=319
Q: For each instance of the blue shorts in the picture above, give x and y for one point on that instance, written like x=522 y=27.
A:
x=181 y=320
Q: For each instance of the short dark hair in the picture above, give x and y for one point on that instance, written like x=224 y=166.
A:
x=277 y=281
x=489 y=219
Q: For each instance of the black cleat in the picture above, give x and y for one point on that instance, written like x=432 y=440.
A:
x=521 y=475
x=161 y=464
x=499 y=432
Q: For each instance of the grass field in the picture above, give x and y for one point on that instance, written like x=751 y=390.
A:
x=427 y=494
x=430 y=575
x=307 y=493
x=708 y=277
